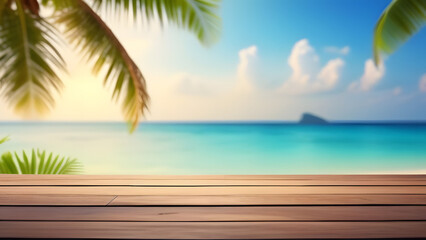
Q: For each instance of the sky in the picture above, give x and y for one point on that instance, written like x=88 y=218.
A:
x=275 y=59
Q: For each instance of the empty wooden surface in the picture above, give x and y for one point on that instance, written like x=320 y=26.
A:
x=228 y=190
x=216 y=214
x=213 y=207
x=213 y=230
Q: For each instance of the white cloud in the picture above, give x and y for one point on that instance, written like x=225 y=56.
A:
x=422 y=83
x=397 y=91
x=186 y=84
x=300 y=50
x=245 y=69
x=306 y=78
x=343 y=51
x=371 y=77
x=329 y=75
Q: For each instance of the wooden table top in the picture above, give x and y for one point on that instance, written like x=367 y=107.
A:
x=213 y=206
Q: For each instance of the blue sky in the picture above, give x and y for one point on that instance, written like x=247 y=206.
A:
x=275 y=25
x=275 y=60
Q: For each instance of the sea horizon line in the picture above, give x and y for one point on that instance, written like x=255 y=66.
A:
x=251 y=122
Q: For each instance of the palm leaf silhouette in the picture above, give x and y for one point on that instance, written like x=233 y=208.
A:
x=38 y=162
x=400 y=20
x=30 y=59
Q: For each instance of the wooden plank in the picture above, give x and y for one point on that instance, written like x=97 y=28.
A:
x=212 y=230
x=196 y=214
x=71 y=200
x=358 y=177
x=294 y=199
x=201 y=182
x=208 y=200
x=214 y=190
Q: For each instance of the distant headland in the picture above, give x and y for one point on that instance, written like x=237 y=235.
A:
x=309 y=118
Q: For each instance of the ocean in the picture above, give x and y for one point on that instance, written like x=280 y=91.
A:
x=228 y=148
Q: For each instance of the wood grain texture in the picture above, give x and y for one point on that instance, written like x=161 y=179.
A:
x=213 y=206
x=369 y=177
x=209 y=200
x=292 y=199
x=205 y=182
x=62 y=200
x=197 y=214
x=212 y=230
x=108 y=190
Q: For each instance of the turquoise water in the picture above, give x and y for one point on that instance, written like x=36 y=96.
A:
x=172 y=148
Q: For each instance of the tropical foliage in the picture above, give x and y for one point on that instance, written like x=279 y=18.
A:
x=30 y=60
x=5 y=139
x=400 y=20
x=37 y=162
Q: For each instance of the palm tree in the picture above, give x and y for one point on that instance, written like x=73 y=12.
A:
x=400 y=20
x=30 y=60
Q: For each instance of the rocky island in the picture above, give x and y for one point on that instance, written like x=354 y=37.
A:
x=308 y=118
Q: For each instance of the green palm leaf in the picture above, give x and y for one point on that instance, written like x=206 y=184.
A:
x=88 y=32
x=38 y=163
x=5 y=139
x=198 y=16
x=400 y=20
x=3 y=6
x=28 y=60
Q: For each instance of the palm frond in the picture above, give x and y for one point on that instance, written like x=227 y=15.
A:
x=5 y=139
x=87 y=31
x=3 y=7
x=38 y=163
x=28 y=61
x=199 y=16
x=57 y=4
x=400 y=20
